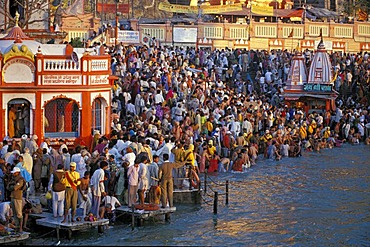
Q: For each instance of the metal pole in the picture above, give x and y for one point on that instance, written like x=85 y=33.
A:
x=102 y=12
x=276 y=19
x=205 y=182
x=132 y=217
x=215 y=201
x=116 y=29
x=304 y=15
x=250 y=20
x=354 y=10
x=227 y=192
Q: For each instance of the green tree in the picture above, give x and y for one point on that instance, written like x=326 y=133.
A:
x=76 y=42
x=351 y=7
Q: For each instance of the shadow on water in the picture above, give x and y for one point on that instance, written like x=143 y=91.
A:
x=320 y=199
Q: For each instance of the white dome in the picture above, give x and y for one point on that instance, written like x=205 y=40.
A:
x=321 y=68
x=297 y=75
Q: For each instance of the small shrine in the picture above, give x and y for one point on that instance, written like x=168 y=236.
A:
x=312 y=90
x=53 y=90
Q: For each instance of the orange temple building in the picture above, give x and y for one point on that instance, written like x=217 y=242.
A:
x=54 y=91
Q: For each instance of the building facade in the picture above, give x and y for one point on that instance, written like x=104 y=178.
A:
x=339 y=37
x=53 y=91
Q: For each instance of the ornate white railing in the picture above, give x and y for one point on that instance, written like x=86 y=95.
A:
x=99 y=65
x=59 y=64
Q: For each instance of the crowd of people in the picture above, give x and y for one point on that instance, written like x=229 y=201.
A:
x=176 y=113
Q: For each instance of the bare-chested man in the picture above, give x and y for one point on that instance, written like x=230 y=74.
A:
x=84 y=193
x=245 y=157
x=223 y=165
x=240 y=140
x=253 y=153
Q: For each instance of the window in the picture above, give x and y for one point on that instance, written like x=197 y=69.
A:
x=61 y=118
x=97 y=115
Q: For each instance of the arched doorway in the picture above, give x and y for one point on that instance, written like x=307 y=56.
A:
x=98 y=115
x=61 y=118
x=19 y=116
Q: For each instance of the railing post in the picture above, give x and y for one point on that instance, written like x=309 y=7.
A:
x=205 y=182
x=190 y=176
x=227 y=192
x=215 y=201
x=133 y=217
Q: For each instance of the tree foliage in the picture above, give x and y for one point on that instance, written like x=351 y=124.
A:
x=351 y=8
x=76 y=42
x=32 y=9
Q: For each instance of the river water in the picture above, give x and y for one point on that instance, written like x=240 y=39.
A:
x=320 y=199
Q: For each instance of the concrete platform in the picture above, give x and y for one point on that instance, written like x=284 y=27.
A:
x=141 y=215
x=185 y=196
x=14 y=237
x=48 y=220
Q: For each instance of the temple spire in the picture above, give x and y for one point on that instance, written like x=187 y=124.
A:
x=16 y=18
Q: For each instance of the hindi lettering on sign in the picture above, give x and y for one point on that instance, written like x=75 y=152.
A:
x=99 y=79
x=128 y=36
x=323 y=88
x=61 y=80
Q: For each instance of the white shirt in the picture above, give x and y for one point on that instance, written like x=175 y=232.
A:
x=133 y=175
x=268 y=76
x=117 y=156
x=131 y=108
x=143 y=179
x=112 y=201
x=121 y=145
x=130 y=157
x=166 y=149
x=27 y=162
x=80 y=163
x=58 y=196
x=62 y=147
x=97 y=182
x=247 y=125
x=4 y=150
x=158 y=98
x=5 y=210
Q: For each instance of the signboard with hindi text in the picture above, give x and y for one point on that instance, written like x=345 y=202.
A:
x=99 y=79
x=318 y=88
x=185 y=34
x=203 y=9
x=129 y=37
x=61 y=80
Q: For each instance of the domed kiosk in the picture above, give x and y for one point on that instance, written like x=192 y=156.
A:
x=54 y=91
